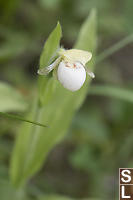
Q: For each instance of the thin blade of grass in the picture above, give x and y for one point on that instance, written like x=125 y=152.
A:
x=116 y=47
x=16 y=117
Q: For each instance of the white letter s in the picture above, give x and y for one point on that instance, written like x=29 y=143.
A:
x=126 y=175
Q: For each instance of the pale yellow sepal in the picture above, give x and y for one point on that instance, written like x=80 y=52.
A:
x=76 y=55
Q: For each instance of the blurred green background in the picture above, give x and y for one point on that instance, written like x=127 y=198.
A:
x=100 y=140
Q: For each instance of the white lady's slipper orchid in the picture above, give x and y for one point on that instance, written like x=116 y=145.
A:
x=71 y=70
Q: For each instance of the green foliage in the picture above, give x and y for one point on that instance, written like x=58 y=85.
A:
x=51 y=46
x=112 y=91
x=46 y=84
x=57 y=113
x=116 y=47
x=7 y=8
x=15 y=44
x=7 y=191
x=11 y=99
x=16 y=117
x=84 y=39
x=100 y=138
x=54 y=197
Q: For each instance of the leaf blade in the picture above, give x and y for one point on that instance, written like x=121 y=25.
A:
x=51 y=46
x=11 y=99
x=48 y=53
x=112 y=91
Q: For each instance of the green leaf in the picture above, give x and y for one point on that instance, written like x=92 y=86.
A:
x=51 y=46
x=34 y=143
x=112 y=91
x=11 y=99
x=47 y=89
x=49 y=52
x=7 y=191
x=87 y=38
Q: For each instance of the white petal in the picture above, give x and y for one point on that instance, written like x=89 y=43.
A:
x=47 y=70
x=72 y=78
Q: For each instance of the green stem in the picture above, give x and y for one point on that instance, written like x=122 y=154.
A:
x=21 y=119
x=116 y=47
